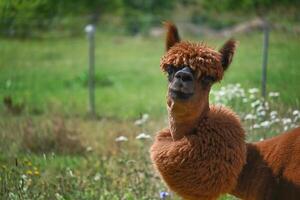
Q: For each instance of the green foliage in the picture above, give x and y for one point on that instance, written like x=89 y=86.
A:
x=258 y=6
x=216 y=22
x=22 y=16
x=26 y=17
x=107 y=170
x=64 y=177
x=29 y=18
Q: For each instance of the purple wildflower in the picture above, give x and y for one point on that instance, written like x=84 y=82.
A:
x=163 y=195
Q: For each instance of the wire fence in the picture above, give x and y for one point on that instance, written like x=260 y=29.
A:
x=42 y=27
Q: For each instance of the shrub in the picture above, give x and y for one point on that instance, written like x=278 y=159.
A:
x=53 y=137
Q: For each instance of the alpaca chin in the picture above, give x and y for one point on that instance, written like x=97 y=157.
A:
x=180 y=96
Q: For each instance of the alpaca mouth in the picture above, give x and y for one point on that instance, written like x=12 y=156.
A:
x=180 y=95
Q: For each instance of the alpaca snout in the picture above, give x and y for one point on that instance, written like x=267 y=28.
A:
x=184 y=76
x=182 y=87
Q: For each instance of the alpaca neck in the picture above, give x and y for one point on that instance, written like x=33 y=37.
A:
x=184 y=117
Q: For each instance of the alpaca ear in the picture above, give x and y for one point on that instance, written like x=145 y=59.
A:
x=172 y=35
x=227 y=52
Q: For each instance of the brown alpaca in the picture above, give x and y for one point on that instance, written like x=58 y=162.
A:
x=272 y=171
x=203 y=154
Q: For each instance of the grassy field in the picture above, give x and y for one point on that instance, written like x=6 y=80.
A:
x=49 y=76
x=52 y=150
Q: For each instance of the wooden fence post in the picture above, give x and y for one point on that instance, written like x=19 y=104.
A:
x=266 y=31
x=90 y=30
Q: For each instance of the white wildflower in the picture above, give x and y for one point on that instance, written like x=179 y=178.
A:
x=255 y=103
x=266 y=105
x=296 y=118
x=294 y=126
x=273 y=94
x=221 y=93
x=252 y=96
x=275 y=120
x=253 y=90
x=265 y=124
x=89 y=149
x=285 y=128
x=260 y=108
x=250 y=117
x=121 y=139
x=24 y=176
x=59 y=196
x=245 y=100
x=286 y=121
x=261 y=113
x=141 y=121
x=296 y=112
x=256 y=126
x=273 y=114
x=70 y=172
x=143 y=136
x=97 y=177
x=24 y=187
x=261 y=139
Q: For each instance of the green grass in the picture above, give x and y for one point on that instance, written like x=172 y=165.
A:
x=51 y=75
x=53 y=151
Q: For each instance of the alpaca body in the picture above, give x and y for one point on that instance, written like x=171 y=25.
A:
x=202 y=154
x=272 y=170
x=206 y=162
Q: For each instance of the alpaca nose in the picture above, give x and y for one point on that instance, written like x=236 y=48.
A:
x=184 y=76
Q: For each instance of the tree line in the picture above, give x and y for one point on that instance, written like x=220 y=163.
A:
x=21 y=18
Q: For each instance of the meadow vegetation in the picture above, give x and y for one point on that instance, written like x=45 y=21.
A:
x=51 y=149
x=50 y=76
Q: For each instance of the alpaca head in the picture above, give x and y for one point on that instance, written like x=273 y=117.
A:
x=192 y=69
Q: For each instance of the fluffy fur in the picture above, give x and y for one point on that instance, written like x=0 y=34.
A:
x=172 y=35
x=272 y=171
x=199 y=57
x=202 y=154
x=204 y=164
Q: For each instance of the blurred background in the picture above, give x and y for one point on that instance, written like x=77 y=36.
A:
x=63 y=136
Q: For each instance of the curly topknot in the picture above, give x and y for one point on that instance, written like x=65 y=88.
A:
x=198 y=56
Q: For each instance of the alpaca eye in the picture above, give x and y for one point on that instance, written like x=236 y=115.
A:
x=207 y=80
x=170 y=69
